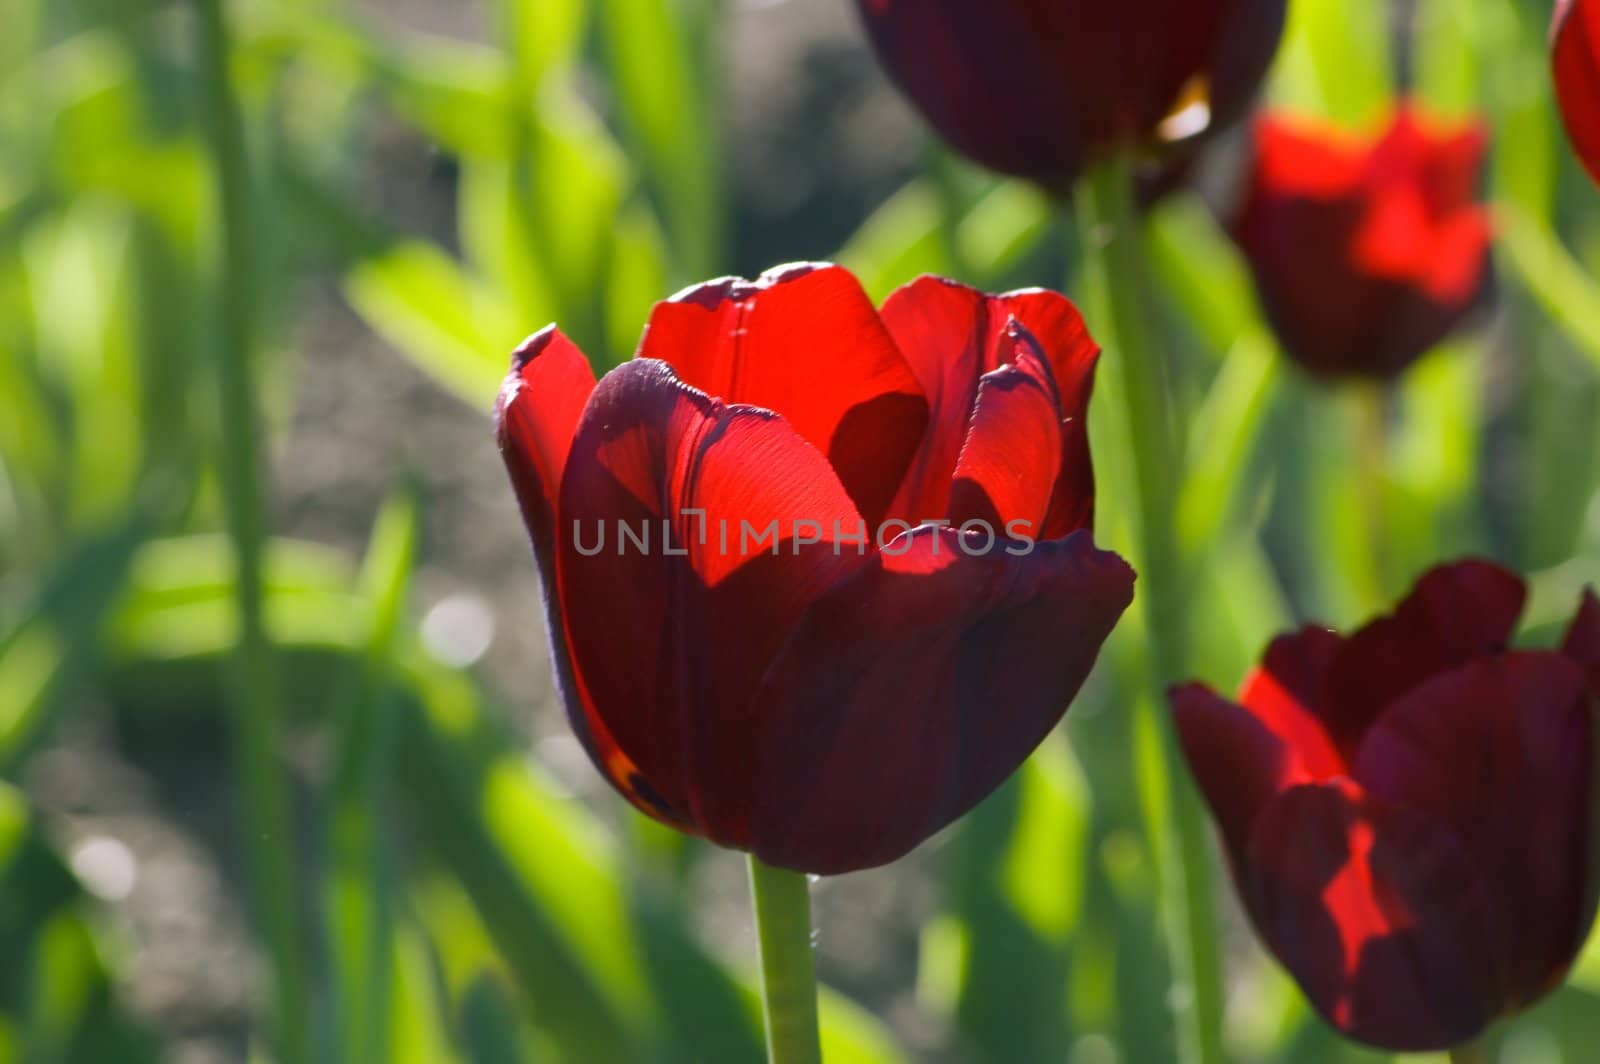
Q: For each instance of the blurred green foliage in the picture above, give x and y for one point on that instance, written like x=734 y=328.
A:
x=458 y=905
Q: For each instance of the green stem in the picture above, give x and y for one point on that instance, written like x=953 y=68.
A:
x=1109 y=225
x=265 y=796
x=1372 y=442
x=1471 y=1053
x=788 y=977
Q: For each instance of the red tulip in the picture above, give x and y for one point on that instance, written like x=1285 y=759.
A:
x=1410 y=812
x=1366 y=255
x=830 y=696
x=1575 y=56
x=1039 y=88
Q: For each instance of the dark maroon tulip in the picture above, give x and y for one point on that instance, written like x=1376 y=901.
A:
x=1575 y=59
x=831 y=696
x=1410 y=811
x=1366 y=254
x=1039 y=88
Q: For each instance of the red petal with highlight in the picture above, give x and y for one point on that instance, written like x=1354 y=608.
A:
x=806 y=342
x=1007 y=471
x=952 y=335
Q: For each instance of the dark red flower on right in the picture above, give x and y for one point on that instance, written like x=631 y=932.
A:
x=1366 y=254
x=1575 y=57
x=1410 y=811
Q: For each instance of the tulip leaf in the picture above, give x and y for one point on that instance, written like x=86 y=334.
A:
x=1223 y=440
x=1449 y=43
x=638 y=278
x=1586 y=972
x=1335 y=61
x=1001 y=963
x=47 y=656
x=1001 y=228
x=357 y=897
x=902 y=240
x=457 y=93
x=1563 y=288
x=421 y=301
x=544 y=36
x=56 y=1001
x=658 y=68
x=570 y=187
x=1203 y=272
x=1043 y=870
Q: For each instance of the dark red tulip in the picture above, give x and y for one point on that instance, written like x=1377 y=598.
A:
x=1410 y=811
x=831 y=696
x=1039 y=88
x=1366 y=254
x=1575 y=57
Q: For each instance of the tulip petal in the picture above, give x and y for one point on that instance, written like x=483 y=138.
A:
x=1575 y=35
x=536 y=416
x=707 y=606
x=1501 y=751
x=916 y=686
x=1037 y=88
x=1008 y=468
x=1285 y=695
x=1454 y=614
x=806 y=342
x=952 y=335
x=1376 y=913
x=1582 y=642
x=1239 y=762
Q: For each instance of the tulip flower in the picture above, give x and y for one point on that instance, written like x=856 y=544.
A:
x=1040 y=88
x=1575 y=58
x=1365 y=254
x=1410 y=811
x=818 y=577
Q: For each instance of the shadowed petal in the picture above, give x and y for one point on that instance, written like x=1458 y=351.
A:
x=1237 y=760
x=1376 y=913
x=1454 y=614
x=1501 y=751
x=1038 y=88
x=670 y=630
x=804 y=341
x=1582 y=642
x=915 y=687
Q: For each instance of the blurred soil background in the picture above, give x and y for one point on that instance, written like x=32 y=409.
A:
x=819 y=140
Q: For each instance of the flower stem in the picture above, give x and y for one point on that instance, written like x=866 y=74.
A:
x=1472 y=1053
x=1372 y=442
x=1109 y=226
x=788 y=976
x=264 y=793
